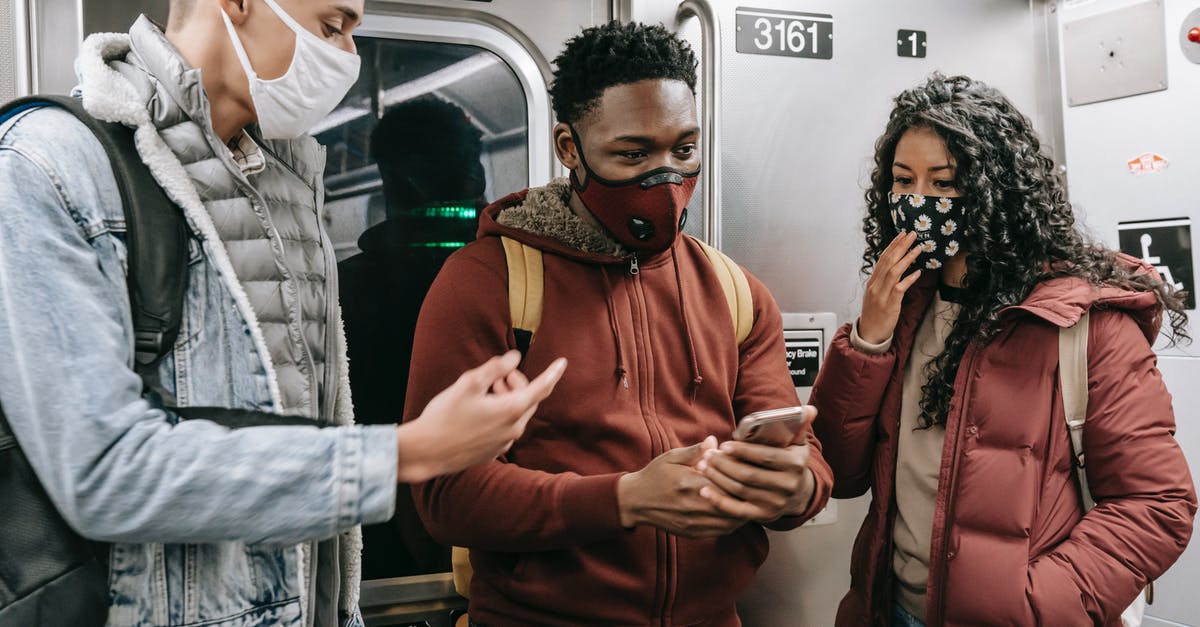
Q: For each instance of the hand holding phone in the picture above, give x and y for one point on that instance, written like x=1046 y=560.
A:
x=773 y=427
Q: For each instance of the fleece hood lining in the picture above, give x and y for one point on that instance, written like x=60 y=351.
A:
x=546 y=212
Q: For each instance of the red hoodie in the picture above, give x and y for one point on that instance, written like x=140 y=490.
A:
x=1011 y=545
x=654 y=365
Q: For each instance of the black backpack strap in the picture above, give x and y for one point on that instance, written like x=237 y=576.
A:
x=156 y=234
x=244 y=418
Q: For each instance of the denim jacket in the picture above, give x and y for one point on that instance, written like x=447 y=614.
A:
x=209 y=526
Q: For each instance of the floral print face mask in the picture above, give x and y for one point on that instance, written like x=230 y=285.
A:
x=938 y=222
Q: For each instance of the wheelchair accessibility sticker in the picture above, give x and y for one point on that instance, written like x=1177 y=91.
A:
x=1166 y=245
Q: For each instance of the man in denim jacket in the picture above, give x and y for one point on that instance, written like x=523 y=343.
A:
x=255 y=526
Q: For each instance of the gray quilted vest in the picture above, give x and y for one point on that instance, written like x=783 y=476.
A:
x=269 y=223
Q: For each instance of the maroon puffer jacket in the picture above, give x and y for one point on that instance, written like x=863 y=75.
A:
x=1011 y=545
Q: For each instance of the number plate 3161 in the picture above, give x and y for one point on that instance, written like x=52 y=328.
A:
x=785 y=33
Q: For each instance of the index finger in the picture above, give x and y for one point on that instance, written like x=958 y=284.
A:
x=896 y=250
x=543 y=385
x=480 y=379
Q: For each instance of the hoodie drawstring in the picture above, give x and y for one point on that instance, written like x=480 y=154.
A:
x=687 y=330
x=616 y=333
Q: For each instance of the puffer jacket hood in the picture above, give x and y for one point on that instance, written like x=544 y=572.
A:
x=1062 y=301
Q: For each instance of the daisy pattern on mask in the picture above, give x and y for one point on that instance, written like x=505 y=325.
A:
x=923 y=223
x=944 y=205
x=949 y=227
x=933 y=264
x=951 y=248
x=928 y=246
x=916 y=200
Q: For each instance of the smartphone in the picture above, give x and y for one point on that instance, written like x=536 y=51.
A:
x=773 y=427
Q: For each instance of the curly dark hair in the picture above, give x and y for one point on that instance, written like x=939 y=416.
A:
x=1022 y=230
x=428 y=151
x=615 y=54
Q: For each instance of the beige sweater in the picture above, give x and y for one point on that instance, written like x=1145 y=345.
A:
x=919 y=458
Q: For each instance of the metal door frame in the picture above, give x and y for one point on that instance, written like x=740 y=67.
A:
x=710 y=110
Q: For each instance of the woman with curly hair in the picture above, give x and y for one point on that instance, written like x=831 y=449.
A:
x=944 y=397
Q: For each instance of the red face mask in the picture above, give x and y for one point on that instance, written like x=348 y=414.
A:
x=645 y=213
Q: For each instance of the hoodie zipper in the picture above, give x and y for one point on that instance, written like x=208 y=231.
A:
x=659 y=439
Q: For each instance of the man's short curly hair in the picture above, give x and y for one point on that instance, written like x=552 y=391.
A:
x=615 y=54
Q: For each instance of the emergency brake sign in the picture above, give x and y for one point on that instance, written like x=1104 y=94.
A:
x=1166 y=245
x=804 y=360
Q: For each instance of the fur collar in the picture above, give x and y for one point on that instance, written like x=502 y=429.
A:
x=546 y=213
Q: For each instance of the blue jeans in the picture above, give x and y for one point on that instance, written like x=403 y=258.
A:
x=901 y=618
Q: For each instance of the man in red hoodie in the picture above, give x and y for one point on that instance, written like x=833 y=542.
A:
x=617 y=507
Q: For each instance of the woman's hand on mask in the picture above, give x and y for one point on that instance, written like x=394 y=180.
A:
x=886 y=289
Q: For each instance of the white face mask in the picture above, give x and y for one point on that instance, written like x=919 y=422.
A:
x=317 y=80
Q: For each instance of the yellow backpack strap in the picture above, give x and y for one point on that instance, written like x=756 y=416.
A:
x=737 y=290
x=525 y=289
x=460 y=564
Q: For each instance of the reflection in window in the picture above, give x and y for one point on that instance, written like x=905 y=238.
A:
x=429 y=134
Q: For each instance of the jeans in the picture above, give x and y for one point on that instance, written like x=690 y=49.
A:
x=901 y=618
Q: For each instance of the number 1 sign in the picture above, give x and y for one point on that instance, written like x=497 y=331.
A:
x=785 y=33
x=911 y=43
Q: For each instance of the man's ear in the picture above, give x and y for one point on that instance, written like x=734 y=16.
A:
x=236 y=9
x=565 y=147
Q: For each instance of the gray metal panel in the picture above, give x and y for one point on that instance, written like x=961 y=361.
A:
x=55 y=29
x=117 y=17
x=797 y=134
x=1115 y=54
x=1151 y=621
x=8 y=50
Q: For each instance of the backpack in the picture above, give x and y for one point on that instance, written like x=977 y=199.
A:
x=525 y=287
x=1073 y=375
x=58 y=576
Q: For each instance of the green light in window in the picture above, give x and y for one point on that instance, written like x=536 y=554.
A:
x=437 y=244
x=451 y=211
